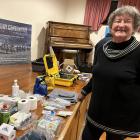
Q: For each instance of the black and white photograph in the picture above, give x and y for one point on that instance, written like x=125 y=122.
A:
x=15 y=42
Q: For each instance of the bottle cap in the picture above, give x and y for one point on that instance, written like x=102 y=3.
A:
x=15 y=81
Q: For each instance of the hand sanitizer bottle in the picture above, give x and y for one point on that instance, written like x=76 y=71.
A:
x=15 y=89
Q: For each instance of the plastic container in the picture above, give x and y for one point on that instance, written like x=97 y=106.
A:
x=15 y=89
x=52 y=69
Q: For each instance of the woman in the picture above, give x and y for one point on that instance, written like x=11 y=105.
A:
x=115 y=102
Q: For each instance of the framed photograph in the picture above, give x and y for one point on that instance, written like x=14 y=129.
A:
x=15 y=42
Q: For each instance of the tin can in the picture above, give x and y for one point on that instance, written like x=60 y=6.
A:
x=4 y=115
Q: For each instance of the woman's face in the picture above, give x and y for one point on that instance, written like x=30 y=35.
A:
x=122 y=28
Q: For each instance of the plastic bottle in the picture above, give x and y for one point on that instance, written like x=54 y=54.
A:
x=15 y=89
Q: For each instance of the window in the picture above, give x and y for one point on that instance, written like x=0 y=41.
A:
x=113 y=6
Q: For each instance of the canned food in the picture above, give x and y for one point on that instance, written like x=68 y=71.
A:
x=4 y=115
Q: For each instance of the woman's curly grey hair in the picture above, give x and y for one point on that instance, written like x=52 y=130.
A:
x=130 y=10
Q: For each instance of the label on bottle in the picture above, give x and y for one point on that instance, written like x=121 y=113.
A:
x=15 y=90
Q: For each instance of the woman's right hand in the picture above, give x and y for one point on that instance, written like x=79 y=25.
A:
x=81 y=97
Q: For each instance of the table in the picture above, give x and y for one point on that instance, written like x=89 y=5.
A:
x=26 y=79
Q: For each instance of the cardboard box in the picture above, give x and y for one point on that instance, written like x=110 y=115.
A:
x=7 y=132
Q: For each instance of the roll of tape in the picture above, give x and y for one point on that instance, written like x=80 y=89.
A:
x=23 y=105
x=32 y=102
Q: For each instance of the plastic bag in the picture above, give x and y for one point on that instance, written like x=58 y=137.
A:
x=32 y=135
x=40 y=86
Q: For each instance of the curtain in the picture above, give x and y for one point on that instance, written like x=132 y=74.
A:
x=135 y=3
x=96 y=12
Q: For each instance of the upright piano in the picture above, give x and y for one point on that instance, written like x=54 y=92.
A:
x=68 y=36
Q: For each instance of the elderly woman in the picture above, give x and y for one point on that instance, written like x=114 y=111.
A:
x=115 y=103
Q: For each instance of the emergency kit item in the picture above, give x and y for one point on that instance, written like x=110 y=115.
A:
x=52 y=103
x=20 y=119
x=52 y=70
x=40 y=86
x=24 y=105
x=49 y=125
x=68 y=66
x=4 y=114
x=63 y=94
x=11 y=102
x=33 y=135
x=7 y=132
x=32 y=102
x=64 y=113
x=15 y=89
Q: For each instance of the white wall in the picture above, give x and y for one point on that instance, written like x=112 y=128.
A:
x=75 y=11
x=36 y=13
x=137 y=35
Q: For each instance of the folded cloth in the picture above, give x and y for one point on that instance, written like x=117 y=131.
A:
x=64 y=94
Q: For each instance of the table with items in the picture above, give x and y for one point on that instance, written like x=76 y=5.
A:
x=57 y=116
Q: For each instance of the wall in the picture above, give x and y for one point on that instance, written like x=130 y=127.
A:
x=75 y=11
x=36 y=13
x=137 y=35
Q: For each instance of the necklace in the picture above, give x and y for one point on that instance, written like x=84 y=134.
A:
x=114 y=54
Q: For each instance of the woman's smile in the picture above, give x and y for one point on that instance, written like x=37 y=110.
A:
x=122 y=28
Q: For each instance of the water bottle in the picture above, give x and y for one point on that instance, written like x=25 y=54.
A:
x=15 y=89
